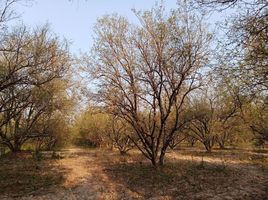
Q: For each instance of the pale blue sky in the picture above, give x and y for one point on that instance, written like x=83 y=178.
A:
x=75 y=19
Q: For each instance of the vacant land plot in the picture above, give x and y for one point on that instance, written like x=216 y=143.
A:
x=104 y=174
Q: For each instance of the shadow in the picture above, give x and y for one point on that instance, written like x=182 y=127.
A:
x=172 y=180
x=21 y=175
x=108 y=175
x=184 y=179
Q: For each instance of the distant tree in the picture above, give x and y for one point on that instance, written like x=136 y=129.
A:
x=181 y=134
x=202 y=123
x=256 y=116
x=53 y=128
x=227 y=105
x=146 y=71
x=177 y=139
x=244 y=54
x=214 y=115
x=120 y=135
x=191 y=140
x=94 y=126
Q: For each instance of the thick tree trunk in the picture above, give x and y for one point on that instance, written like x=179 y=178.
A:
x=161 y=160
x=154 y=163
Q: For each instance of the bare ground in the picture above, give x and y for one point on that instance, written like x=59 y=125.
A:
x=103 y=174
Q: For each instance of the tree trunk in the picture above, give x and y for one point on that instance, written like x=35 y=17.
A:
x=161 y=159
x=207 y=146
x=162 y=155
x=16 y=148
x=2 y=150
x=222 y=145
x=17 y=145
x=208 y=149
x=154 y=163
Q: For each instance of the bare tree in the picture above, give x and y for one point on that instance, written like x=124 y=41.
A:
x=191 y=140
x=244 y=48
x=177 y=139
x=215 y=113
x=182 y=127
x=202 y=123
x=120 y=134
x=256 y=116
x=145 y=72
x=7 y=13
x=30 y=63
x=244 y=53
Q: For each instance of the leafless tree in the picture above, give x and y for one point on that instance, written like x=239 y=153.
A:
x=177 y=139
x=215 y=112
x=120 y=134
x=202 y=122
x=7 y=12
x=30 y=62
x=244 y=48
x=146 y=72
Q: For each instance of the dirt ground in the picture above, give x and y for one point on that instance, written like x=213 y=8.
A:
x=103 y=174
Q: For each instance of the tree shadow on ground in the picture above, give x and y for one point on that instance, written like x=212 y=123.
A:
x=22 y=175
x=189 y=180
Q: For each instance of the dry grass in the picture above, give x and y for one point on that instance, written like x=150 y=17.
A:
x=193 y=177
x=104 y=174
x=22 y=175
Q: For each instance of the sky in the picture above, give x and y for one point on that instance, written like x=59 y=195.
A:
x=74 y=19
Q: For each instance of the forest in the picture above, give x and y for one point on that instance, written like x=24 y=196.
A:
x=164 y=107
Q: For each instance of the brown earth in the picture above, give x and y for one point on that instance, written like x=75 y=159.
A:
x=104 y=174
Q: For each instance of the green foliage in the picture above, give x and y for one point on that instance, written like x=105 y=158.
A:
x=92 y=128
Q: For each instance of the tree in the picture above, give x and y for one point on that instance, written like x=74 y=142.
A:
x=94 y=127
x=191 y=140
x=202 y=122
x=6 y=13
x=256 y=116
x=227 y=105
x=98 y=128
x=29 y=65
x=182 y=127
x=245 y=52
x=120 y=135
x=177 y=139
x=214 y=115
x=146 y=71
x=53 y=127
